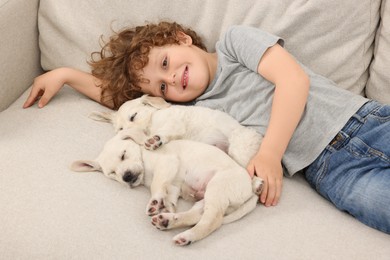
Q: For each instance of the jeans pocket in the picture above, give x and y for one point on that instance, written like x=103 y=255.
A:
x=360 y=150
x=382 y=114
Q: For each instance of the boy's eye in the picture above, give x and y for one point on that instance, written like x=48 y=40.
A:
x=165 y=63
x=163 y=88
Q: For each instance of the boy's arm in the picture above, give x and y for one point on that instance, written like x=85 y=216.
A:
x=47 y=85
x=291 y=92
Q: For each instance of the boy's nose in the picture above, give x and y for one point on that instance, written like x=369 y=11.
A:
x=171 y=79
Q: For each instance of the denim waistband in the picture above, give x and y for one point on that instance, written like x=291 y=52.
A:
x=354 y=124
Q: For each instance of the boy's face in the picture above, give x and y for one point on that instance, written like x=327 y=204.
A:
x=178 y=73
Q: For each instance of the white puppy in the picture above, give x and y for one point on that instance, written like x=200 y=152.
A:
x=164 y=122
x=180 y=168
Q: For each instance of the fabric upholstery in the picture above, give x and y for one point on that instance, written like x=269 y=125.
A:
x=19 y=53
x=378 y=85
x=49 y=212
x=333 y=41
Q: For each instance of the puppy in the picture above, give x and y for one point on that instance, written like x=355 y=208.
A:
x=165 y=122
x=181 y=168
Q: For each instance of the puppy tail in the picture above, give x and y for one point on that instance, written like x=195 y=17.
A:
x=245 y=208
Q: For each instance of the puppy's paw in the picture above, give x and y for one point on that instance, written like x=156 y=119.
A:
x=183 y=239
x=155 y=206
x=153 y=142
x=169 y=207
x=164 y=221
x=257 y=185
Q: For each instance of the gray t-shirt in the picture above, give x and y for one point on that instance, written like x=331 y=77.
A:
x=240 y=91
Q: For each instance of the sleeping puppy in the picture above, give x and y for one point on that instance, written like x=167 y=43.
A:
x=164 y=122
x=182 y=168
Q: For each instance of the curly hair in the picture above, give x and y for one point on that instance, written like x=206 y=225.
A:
x=118 y=63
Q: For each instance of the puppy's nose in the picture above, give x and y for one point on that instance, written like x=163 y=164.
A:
x=129 y=177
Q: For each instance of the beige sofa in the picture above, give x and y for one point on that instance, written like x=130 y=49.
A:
x=50 y=212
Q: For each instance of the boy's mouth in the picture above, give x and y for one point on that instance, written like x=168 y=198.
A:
x=184 y=79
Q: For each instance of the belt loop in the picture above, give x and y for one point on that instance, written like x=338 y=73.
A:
x=336 y=139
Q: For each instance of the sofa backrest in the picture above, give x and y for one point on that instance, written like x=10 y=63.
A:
x=333 y=38
x=378 y=86
x=19 y=52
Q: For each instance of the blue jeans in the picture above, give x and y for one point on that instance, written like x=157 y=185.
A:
x=353 y=172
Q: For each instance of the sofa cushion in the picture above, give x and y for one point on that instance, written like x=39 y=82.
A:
x=333 y=39
x=49 y=212
x=378 y=86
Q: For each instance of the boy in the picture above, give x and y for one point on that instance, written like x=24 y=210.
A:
x=308 y=123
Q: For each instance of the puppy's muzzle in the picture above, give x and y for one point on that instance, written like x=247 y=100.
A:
x=130 y=177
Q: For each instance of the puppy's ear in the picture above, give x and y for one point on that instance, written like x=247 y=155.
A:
x=106 y=117
x=156 y=102
x=85 y=166
x=134 y=133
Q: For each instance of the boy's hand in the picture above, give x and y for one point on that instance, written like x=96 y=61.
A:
x=45 y=87
x=269 y=168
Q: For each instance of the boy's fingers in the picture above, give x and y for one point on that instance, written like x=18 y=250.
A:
x=28 y=102
x=31 y=99
x=251 y=170
x=45 y=99
x=34 y=94
x=264 y=193
x=271 y=193
x=278 y=192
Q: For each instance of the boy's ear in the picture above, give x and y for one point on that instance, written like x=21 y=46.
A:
x=184 y=38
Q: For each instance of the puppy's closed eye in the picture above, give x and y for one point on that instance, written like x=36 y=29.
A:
x=132 y=117
x=123 y=157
